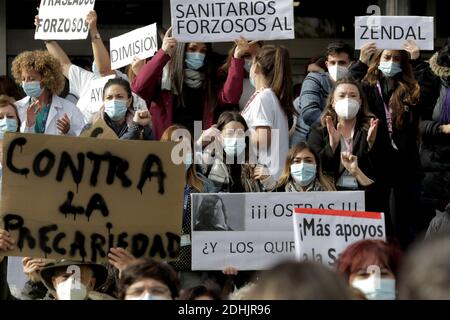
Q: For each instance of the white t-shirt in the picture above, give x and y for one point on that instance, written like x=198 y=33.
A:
x=82 y=84
x=265 y=111
x=247 y=91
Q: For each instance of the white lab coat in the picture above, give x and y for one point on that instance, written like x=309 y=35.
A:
x=58 y=108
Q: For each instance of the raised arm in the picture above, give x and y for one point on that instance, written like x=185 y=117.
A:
x=101 y=54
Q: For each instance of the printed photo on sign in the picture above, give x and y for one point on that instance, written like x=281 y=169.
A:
x=228 y=20
x=392 y=32
x=253 y=231
x=63 y=20
x=217 y=213
x=322 y=235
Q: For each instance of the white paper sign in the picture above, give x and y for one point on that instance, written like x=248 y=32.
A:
x=227 y=20
x=322 y=235
x=391 y=32
x=141 y=43
x=63 y=19
x=254 y=231
x=96 y=91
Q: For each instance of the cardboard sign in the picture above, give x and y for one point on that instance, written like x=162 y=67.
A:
x=322 y=235
x=228 y=20
x=141 y=43
x=75 y=198
x=63 y=19
x=392 y=32
x=99 y=130
x=253 y=231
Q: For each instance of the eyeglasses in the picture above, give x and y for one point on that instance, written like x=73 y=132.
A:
x=156 y=291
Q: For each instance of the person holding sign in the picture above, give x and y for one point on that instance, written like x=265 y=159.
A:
x=42 y=111
x=393 y=95
x=372 y=267
x=117 y=111
x=230 y=170
x=303 y=172
x=268 y=110
x=181 y=91
x=85 y=85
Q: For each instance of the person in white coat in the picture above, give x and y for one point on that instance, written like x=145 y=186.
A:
x=42 y=111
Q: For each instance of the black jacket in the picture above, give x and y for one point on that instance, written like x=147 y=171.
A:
x=319 y=141
x=393 y=166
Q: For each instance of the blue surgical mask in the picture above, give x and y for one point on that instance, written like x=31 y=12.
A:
x=383 y=289
x=32 y=88
x=248 y=65
x=194 y=60
x=148 y=296
x=390 y=68
x=116 y=109
x=7 y=125
x=303 y=173
x=233 y=146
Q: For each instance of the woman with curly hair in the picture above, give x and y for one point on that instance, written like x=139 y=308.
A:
x=42 y=111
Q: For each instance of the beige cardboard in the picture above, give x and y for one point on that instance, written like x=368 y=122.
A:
x=99 y=130
x=37 y=200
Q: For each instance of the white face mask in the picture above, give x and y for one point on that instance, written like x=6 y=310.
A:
x=71 y=289
x=347 y=108
x=375 y=288
x=337 y=72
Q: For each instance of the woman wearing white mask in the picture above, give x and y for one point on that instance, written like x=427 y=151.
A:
x=394 y=96
x=346 y=137
x=229 y=168
x=371 y=266
x=119 y=113
x=147 y=279
x=302 y=172
x=42 y=111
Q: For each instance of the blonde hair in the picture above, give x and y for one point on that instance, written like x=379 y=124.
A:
x=43 y=63
x=6 y=101
x=325 y=181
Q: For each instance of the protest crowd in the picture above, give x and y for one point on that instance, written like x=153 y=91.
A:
x=377 y=122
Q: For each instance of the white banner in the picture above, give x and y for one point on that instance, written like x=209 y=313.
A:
x=227 y=20
x=253 y=231
x=141 y=43
x=96 y=91
x=63 y=19
x=322 y=235
x=391 y=32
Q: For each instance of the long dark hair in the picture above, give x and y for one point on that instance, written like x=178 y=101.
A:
x=406 y=88
x=177 y=68
x=275 y=65
x=230 y=116
x=206 y=211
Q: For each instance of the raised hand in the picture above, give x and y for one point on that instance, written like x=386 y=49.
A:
x=412 y=48
x=142 y=117
x=32 y=110
x=372 y=133
x=120 y=258
x=91 y=20
x=350 y=162
x=7 y=243
x=333 y=133
x=169 y=43
x=63 y=124
x=243 y=47
x=367 y=51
